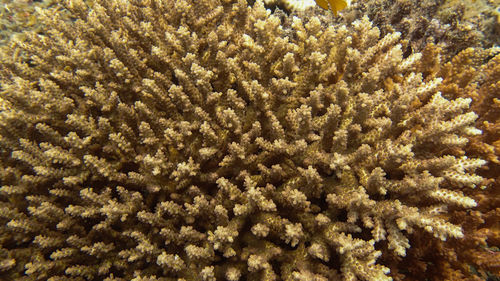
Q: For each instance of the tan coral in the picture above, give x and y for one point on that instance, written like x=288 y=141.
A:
x=475 y=256
x=222 y=141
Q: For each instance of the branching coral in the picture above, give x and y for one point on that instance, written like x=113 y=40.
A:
x=482 y=229
x=220 y=142
x=454 y=25
x=476 y=256
x=17 y=16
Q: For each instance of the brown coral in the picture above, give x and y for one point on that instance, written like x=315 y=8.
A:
x=220 y=142
x=473 y=73
x=455 y=25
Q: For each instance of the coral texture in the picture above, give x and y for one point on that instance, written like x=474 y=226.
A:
x=211 y=140
x=17 y=16
x=480 y=246
x=454 y=24
x=473 y=73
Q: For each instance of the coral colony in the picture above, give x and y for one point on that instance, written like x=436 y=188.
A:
x=219 y=140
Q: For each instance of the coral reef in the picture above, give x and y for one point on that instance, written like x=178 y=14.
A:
x=476 y=256
x=223 y=142
x=453 y=24
x=17 y=16
x=480 y=248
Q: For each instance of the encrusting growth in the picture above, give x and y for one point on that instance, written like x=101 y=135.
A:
x=212 y=140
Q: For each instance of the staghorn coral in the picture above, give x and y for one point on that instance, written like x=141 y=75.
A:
x=455 y=25
x=472 y=73
x=481 y=227
x=220 y=142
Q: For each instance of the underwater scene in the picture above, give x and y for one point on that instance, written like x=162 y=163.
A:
x=313 y=140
